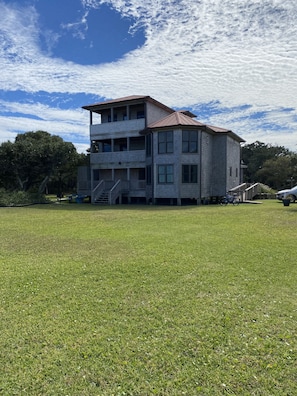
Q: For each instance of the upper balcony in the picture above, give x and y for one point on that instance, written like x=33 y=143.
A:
x=113 y=129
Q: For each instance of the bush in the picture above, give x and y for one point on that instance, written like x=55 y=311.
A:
x=20 y=198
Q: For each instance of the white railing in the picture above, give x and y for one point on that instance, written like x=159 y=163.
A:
x=98 y=190
x=114 y=192
x=252 y=191
x=240 y=191
x=115 y=189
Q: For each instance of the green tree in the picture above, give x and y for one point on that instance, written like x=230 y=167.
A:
x=7 y=177
x=33 y=159
x=254 y=155
x=277 y=172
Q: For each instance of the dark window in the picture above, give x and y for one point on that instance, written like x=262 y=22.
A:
x=140 y=114
x=165 y=174
x=106 y=146
x=141 y=174
x=189 y=173
x=165 y=142
x=96 y=174
x=120 y=144
x=190 y=141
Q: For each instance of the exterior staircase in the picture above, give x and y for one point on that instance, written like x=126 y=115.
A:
x=247 y=191
x=103 y=198
x=107 y=192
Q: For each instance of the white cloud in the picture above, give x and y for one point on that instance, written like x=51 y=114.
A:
x=229 y=51
x=71 y=125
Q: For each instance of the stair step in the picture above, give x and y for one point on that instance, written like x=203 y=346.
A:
x=103 y=198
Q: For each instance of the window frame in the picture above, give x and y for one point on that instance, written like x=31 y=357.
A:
x=189 y=173
x=167 y=175
x=165 y=142
x=189 y=139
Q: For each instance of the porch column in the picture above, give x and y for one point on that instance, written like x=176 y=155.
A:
x=128 y=181
x=92 y=184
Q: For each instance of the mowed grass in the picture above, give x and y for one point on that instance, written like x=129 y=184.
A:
x=144 y=300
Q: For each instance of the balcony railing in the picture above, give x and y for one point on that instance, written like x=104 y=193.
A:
x=118 y=156
x=108 y=129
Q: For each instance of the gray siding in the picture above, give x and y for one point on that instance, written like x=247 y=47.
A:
x=219 y=169
x=154 y=113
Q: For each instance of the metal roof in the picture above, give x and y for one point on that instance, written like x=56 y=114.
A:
x=180 y=118
x=132 y=99
x=175 y=119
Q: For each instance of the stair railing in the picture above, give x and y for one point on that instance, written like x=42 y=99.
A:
x=98 y=190
x=240 y=191
x=252 y=191
x=114 y=192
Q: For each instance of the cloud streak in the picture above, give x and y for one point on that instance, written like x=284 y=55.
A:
x=196 y=52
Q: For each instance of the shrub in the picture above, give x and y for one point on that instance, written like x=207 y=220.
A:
x=20 y=198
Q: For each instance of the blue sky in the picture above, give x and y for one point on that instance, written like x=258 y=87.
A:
x=233 y=63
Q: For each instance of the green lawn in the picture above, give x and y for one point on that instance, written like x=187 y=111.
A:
x=144 y=300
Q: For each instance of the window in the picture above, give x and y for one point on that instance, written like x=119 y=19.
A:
x=165 y=142
x=190 y=141
x=140 y=114
x=120 y=144
x=189 y=173
x=96 y=174
x=230 y=171
x=141 y=174
x=106 y=146
x=165 y=174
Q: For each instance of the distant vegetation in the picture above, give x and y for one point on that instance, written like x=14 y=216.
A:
x=274 y=166
x=37 y=163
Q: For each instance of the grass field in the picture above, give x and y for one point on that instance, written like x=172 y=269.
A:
x=144 y=300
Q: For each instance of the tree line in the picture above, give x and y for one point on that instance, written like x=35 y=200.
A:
x=39 y=162
x=274 y=166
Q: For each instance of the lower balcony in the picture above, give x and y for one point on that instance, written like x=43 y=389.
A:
x=118 y=157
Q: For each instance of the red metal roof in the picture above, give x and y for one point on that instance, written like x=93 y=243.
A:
x=97 y=107
x=123 y=99
x=180 y=118
x=175 y=119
